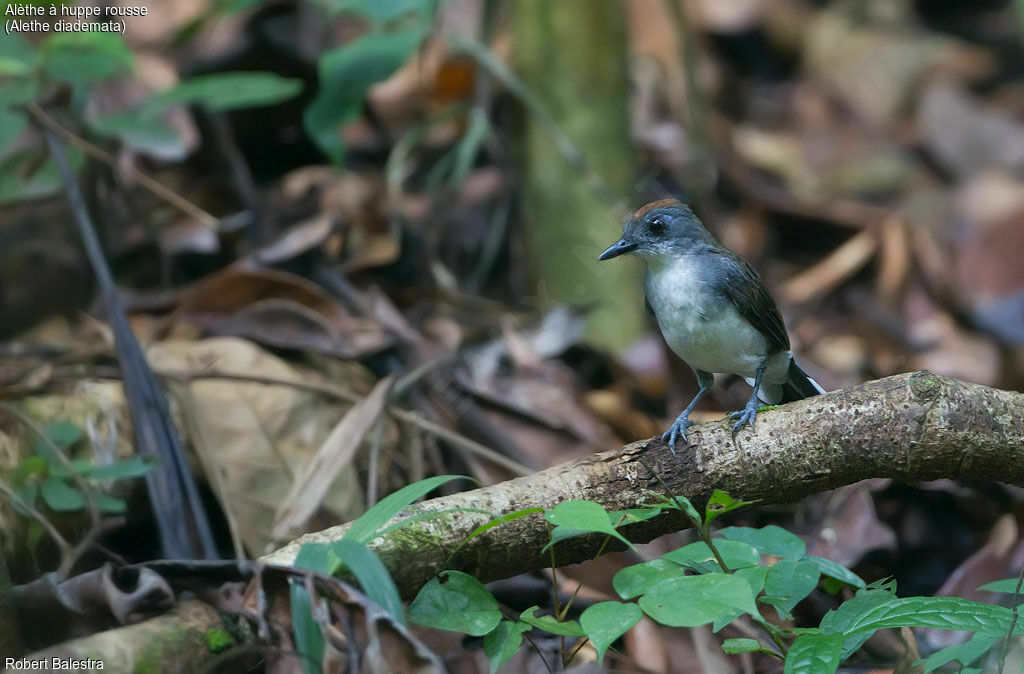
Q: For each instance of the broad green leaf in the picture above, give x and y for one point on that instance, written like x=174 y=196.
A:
x=838 y=620
x=108 y=504
x=142 y=131
x=24 y=176
x=696 y=600
x=315 y=557
x=17 y=56
x=755 y=575
x=814 y=654
x=633 y=581
x=460 y=604
x=81 y=58
x=27 y=493
x=548 y=623
x=721 y=503
x=379 y=11
x=60 y=496
x=309 y=639
x=964 y=653
x=503 y=641
x=634 y=514
x=791 y=579
x=735 y=554
x=372 y=575
x=769 y=540
x=1006 y=585
x=366 y=527
x=12 y=123
x=606 y=621
x=583 y=515
x=837 y=571
x=64 y=434
x=121 y=469
x=221 y=92
x=18 y=91
x=346 y=73
x=683 y=502
x=944 y=613
x=508 y=517
x=736 y=646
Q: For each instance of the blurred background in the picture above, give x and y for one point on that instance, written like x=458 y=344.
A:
x=384 y=218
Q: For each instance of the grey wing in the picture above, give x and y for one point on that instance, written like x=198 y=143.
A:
x=742 y=286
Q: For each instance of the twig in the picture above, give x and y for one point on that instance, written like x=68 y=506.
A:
x=157 y=188
x=66 y=551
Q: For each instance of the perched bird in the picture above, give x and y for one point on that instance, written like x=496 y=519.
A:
x=713 y=310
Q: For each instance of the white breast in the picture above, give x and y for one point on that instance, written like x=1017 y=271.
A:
x=700 y=326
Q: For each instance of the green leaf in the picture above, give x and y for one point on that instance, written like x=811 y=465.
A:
x=12 y=123
x=315 y=557
x=814 y=654
x=365 y=528
x=770 y=540
x=944 y=613
x=791 y=579
x=28 y=494
x=838 y=620
x=606 y=621
x=23 y=176
x=372 y=575
x=121 y=469
x=736 y=646
x=60 y=496
x=108 y=504
x=964 y=653
x=735 y=554
x=33 y=464
x=508 y=517
x=687 y=507
x=221 y=92
x=503 y=641
x=755 y=575
x=635 y=514
x=309 y=639
x=1006 y=585
x=696 y=600
x=378 y=11
x=142 y=131
x=721 y=503
x=81 y=58
x=836 y=571
x=633 y=581
x=585 y=516
x=548 y=623
x=17 y=56
x=460 y=604
x=64 y=434
x=346 y=73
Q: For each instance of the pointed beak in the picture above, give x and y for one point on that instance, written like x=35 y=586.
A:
x=618 y=248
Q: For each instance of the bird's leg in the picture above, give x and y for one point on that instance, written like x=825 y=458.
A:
x=747 y=415
x=678 y=428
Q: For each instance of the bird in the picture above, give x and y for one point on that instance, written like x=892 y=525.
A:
x=713 y=310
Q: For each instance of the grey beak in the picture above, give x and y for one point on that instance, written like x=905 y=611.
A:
x=618 y=248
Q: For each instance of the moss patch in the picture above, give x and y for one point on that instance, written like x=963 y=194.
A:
x=218 y=640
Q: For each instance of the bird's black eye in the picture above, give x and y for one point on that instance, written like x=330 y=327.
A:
x=656 y=225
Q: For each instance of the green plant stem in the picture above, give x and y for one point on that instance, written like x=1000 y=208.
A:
x=1013 y=622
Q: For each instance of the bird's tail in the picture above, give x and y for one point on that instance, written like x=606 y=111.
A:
x=799 y=385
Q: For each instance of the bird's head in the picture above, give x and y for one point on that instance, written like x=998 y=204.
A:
x=666 y=227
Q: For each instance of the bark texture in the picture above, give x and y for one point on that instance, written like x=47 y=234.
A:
x=915 y=426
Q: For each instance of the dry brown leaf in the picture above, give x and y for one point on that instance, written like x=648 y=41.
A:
x=250 y=437
x=335 y=454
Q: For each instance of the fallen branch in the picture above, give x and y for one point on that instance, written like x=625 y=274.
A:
x=911 y=427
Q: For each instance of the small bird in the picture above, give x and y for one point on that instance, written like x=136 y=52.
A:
x=713 y=310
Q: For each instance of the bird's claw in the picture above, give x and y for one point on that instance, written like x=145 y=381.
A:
x=676 y=430
x=746 y=417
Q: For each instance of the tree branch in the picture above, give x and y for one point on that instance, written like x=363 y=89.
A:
x=911 y=427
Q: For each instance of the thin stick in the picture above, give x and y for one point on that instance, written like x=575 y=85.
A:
x=157 y=188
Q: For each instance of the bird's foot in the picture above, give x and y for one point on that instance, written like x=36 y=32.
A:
x=746 y=416
x=677 y=430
